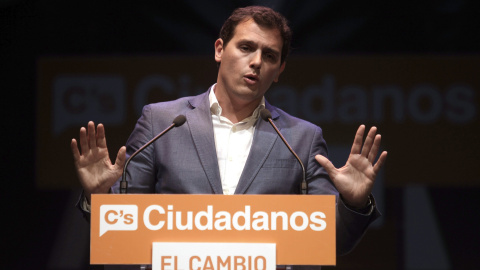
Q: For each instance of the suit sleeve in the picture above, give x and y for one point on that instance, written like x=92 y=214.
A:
x=350 y=225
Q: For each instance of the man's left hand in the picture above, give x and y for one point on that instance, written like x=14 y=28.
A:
x=354 y=181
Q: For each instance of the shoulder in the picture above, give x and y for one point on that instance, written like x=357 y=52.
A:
x=171 y=104
x=174 y=107
x=287 y=120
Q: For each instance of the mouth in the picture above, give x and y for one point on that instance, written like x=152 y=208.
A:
x=250 y=78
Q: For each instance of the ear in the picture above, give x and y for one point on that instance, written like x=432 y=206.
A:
x=218 y=50
x=282 y=67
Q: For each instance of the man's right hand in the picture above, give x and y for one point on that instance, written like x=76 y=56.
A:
x=94 y=167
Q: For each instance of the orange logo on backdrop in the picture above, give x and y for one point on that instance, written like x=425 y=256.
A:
x=124 y=227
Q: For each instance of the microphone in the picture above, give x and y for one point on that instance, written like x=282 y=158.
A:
x=178 y=121
x=267 y=116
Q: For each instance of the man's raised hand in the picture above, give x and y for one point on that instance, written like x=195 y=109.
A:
x=94 y=167
x=355 y=180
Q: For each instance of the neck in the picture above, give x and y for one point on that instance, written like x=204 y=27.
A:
x=235 y=109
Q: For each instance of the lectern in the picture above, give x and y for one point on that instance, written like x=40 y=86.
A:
x=212 y=231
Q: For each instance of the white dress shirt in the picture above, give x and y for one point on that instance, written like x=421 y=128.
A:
x=232 y=142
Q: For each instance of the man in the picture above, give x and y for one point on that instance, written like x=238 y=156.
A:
x=225 y=148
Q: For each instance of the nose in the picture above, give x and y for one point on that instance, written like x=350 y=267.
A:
x=256 y=60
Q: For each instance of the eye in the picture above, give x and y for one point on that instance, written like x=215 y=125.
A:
x=244 y=48
x=271 y=57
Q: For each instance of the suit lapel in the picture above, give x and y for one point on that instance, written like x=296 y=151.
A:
x=201 y=127
x=263 y=141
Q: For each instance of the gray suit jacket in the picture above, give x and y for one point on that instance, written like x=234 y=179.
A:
x=184 y=160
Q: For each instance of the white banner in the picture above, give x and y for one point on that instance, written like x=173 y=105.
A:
x=218 y=256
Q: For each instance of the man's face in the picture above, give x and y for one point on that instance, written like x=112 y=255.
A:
x=250 y=62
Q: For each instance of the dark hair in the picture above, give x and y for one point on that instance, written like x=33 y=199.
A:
x=262 y=16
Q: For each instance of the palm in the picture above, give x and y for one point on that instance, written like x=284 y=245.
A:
x=95 y=164
x=354 y=181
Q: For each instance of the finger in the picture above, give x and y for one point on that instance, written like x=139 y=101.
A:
x=327 y=165
x=91 y=135
x=101 y=139
x=369 y=141
x=83 y=141
x=357 y=142
x=375 y=147
x=381 y=160
x=121 y=157
x=75 y=152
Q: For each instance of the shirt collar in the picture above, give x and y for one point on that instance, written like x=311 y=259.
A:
x=217 y=110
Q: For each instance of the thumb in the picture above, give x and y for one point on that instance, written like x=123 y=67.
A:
x=325 y=162
x=121 y=157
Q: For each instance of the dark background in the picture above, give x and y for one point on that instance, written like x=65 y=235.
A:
x=33 y=29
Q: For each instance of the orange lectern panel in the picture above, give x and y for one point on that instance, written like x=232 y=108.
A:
x=124 y=227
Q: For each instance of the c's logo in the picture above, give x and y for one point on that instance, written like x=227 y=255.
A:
x=118 y=218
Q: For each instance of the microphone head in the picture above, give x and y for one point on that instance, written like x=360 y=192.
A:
x=179 y=120
x=265 y=114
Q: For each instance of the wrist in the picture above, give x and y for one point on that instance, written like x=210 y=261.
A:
x=365 y=206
